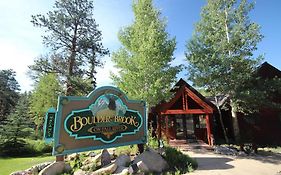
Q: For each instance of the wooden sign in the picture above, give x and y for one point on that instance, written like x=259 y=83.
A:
x=105 y=118
x=49 y=125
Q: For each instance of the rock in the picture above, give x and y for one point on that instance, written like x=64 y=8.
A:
x=67 y=168
x=153 y=161
x=109 y=169
x=242 y=153
x=226 y=151
x=105 y=158
x=72 y=156
x=142 y=166
x=88 y=166
x=123 y=160
x=121 y=170
x=92 y=159
x=54 y=168
x=22 y=173
x=92 y=154
x=79 y=172
x=41 y=166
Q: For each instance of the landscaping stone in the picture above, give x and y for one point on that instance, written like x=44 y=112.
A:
x=109 y=169
x=152 y=160
x=97 y=158
x=54 y=168
x=142 y=166
x=87 y=166
x=25 y=172
x=225 y=151
x=41 y=166
x=72 y=156
x=242 y=153
x=105 y=158
x=79 y=172
x=121 y=170
x=123 y=160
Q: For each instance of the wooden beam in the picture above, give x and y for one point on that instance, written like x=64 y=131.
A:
x=209 y=130
x=159 y=129
x=198 y=100
x=189 y=111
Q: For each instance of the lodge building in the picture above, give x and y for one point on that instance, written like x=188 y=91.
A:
x=190 y=116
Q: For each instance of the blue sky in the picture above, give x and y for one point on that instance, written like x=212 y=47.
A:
x=20 y=42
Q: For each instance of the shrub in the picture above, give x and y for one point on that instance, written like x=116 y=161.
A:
x=179 y=161
x=128 y=150
x=38 y=146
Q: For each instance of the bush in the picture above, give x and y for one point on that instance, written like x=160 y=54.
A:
x=128 y=150
x=13 y=148
x=24 y=147
x=39 y=146
x=179 y=161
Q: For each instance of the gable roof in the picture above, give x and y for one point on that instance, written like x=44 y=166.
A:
x=183 y=91
x=266 y=70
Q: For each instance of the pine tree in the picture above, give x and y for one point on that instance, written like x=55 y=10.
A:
x=9 y=94
x=16 y=128
x=75 y=42
x=220 y=53
x=144 y=60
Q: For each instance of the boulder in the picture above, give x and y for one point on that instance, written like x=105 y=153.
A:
x=152 y=160
x=105 y=158
x=34 y=170
x=88 y=167
x=123 y=160
x=226 y=151
x=121 y=170
x=25 y=172
x=142 y=166
x=94 y=159
x=79 y=172
x=109 y=169
x=67 y=168
x=138 y=167
x=41 y=166
x=72 y=156
x=54 y=168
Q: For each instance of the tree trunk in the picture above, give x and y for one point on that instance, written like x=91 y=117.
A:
x=221 y=121
x=235 y=123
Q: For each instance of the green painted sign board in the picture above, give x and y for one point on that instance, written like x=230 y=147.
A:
x=103 y=119
x=49 y=125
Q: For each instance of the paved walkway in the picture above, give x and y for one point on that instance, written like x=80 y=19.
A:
x=215 y=164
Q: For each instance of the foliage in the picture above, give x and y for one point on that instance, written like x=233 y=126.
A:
x=75 y=43
x=9 y=165
x=14 y=130
x=44 y=96
x=179 y=161
x=38 y=147
x=220 y=53
x=144 y=60
x=128 y=150
x=9 y=95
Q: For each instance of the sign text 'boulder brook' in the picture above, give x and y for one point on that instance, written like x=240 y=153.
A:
x=103 y=119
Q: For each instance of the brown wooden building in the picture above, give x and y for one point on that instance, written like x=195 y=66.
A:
x=187 y=115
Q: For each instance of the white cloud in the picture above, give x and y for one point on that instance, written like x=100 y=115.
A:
x=103 y=73
x=17 y=57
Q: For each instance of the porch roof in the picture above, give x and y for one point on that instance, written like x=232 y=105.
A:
x=186 y=100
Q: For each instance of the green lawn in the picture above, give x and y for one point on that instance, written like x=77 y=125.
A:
x=8 y=165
